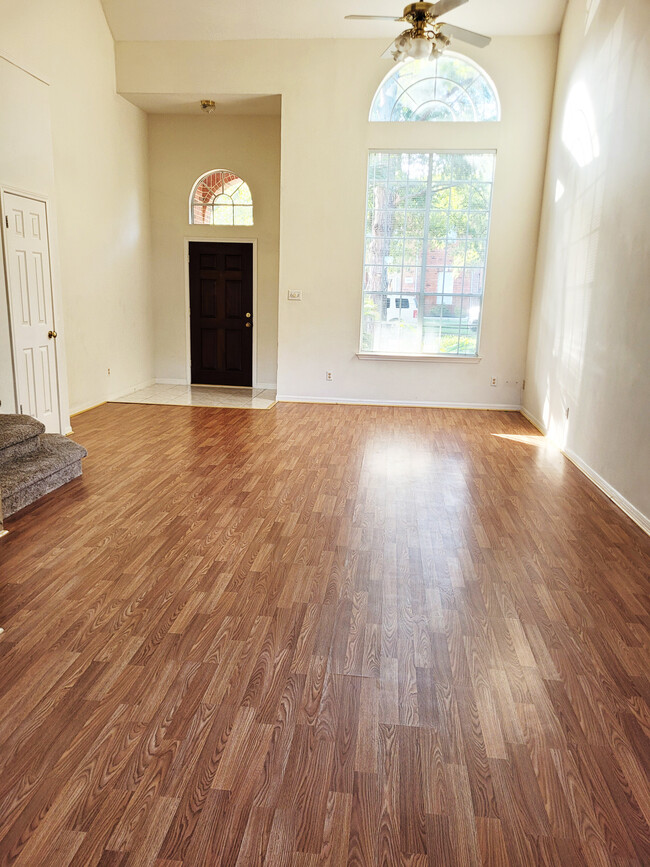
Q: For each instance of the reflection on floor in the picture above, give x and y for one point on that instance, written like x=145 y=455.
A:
x=202 y=395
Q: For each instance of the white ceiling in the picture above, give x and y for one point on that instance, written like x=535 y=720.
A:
x=189 y=103
x=153 y=20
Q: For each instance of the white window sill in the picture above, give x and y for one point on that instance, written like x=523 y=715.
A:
x=453 y=359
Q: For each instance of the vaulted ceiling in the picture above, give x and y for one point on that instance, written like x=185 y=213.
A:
x=144 y=20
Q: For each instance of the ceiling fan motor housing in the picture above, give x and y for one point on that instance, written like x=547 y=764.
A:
x=419 y=13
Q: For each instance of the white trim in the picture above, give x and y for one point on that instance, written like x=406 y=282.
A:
x=83 y=407
x=454 y=359
x=643 y=521
x=114 y=395
x=169 y=381
x=421 y=291
x=45 y=201
x=270 y=386
x=456 y=55
x=541 y=427
x=292 y=398
x=186 y=253
x=630 y=510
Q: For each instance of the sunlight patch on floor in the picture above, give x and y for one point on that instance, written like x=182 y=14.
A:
x=529 y=440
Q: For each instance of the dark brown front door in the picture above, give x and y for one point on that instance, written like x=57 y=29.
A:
x=221 y=313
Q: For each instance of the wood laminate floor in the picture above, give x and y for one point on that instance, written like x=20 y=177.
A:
x=323 y=635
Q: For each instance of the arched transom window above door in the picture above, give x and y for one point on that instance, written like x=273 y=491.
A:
x=450 y=88
x=221 y=198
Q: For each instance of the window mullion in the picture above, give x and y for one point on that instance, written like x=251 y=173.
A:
x=425 y=250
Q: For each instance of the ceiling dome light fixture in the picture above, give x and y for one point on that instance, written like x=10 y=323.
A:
x=208 y=106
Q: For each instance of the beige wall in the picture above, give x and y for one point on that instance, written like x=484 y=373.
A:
x=180 y=150
x=589 y=350
x=26 y=153
x=326 y=88
x=100 y=164
x=25 y=163
x=91 y=155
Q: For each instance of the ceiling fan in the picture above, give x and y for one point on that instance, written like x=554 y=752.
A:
x=427 y=37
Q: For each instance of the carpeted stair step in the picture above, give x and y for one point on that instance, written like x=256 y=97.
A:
x=19 y=435
x=29 y=476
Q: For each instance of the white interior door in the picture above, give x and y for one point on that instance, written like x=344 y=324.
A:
x=31 y=309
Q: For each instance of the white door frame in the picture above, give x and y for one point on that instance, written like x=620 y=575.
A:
x=36 y=197
x=186 y=250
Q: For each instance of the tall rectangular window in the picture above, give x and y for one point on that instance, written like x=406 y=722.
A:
x=427 y=226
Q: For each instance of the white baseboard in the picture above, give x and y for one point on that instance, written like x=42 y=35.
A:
x=615 y=496
x=292 y=398
x=541 y=427
x=269 y=385
x=82 y=407
x=630 y=510
x=146 y=384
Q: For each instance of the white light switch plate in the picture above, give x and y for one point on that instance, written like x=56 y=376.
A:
x=294 y=294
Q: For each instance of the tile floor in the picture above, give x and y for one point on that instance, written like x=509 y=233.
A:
x=202 y=395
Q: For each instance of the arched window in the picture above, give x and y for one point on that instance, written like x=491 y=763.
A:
x=221 y=198
x=450 y=88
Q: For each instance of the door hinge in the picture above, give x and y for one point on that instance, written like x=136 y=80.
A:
x=21 y=409
x=7 y=220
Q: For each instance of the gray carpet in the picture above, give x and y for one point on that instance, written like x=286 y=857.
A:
x=33 y=463
x=18 y=436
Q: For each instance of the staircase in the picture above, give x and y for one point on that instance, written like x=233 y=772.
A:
x=33 y=463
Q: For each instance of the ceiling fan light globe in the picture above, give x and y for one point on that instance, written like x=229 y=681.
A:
x=420 y=48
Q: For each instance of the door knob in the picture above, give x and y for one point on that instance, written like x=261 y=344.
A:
x=248 y=316
x=248 y=325
x=51 y=334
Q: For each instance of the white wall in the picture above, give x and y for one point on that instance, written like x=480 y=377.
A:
x=327 y=87
x=92 y=145
x=589 y=349
x=26 y=162
x=100 y=163
x=181 y=149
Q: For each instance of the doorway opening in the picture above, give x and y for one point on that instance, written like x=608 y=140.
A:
x=221 y=317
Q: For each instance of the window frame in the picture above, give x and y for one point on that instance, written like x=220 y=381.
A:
x=420 y=294
x=233 y=205
x=447 y=54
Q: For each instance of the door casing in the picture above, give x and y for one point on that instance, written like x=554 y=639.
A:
x=36 y=197
x=186 y=259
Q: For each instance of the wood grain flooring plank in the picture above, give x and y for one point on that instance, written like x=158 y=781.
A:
x=381 y=636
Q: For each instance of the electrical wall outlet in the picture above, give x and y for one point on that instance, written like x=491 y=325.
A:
x=328 y=375
x=493 y=381
x=294 y=294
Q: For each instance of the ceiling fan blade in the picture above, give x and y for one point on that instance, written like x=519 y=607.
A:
x=465 y=35
x=391 y=49
x=444 y=6
x=373 y=17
